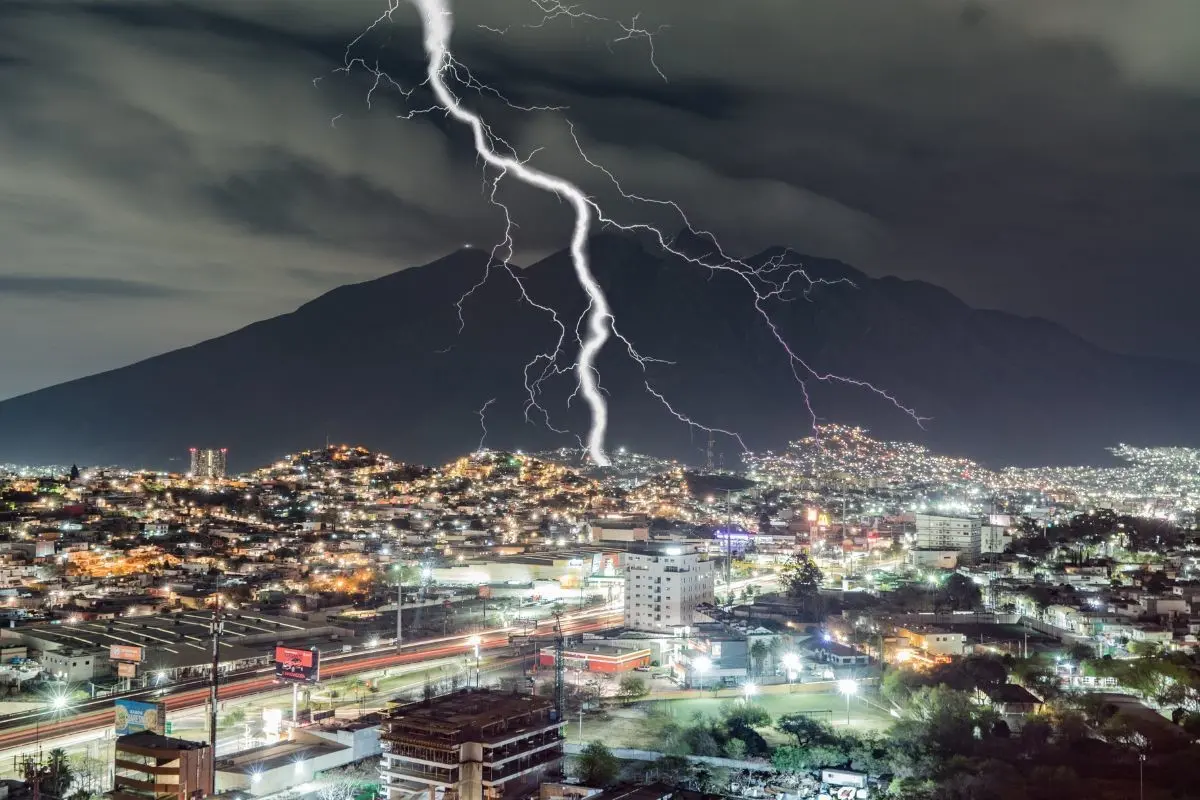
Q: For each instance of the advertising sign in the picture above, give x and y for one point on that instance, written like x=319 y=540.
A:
x=300 y=666
x=126 y=670
x=125 y=652
x=134 y=716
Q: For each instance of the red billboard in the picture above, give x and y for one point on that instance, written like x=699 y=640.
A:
x=296 y=665
x=125 y=652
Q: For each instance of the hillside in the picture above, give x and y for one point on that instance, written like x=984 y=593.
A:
x=382 y=363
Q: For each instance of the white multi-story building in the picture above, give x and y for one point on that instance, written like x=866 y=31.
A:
x=947 y=533
x=664 y=584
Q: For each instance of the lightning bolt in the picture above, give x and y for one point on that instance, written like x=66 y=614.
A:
x=437 y=22
x=483 y=424
x=596 y=325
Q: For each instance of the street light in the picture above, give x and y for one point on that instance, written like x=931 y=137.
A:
x=474 y=641
x=791 y=664
x=58 y=704
x=848 y=688
x=749 y=690
x=701 y=665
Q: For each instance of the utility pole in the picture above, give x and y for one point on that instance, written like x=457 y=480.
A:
x=399 y=605
x=560 y=678
x=214 y=682
x=728 y=544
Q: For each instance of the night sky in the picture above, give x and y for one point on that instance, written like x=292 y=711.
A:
x=173 y=171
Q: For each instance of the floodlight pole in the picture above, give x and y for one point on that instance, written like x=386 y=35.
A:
x=213 y=684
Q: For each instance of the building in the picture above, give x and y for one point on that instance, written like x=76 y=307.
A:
x=1012 y=702
x=718 y=655
x=273 y=768
x=664 y=584
x=933 y=559
x=148 y=766
x=619 y=529
x=947 y=533
x=933 y=640
x=589 y=657
x=992 y=539
x=208 y=464
x=470 y=745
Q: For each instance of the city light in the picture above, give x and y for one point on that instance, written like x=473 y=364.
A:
x=848 y=688
x=791 y=664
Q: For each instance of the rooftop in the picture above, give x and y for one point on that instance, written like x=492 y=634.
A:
x=175 y=640
x=480 y=713
x=1011 y=693
x=274 y=756
x=156 y=741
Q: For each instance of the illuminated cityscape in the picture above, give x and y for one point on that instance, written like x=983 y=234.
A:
x=682 y=370
x=653 y=577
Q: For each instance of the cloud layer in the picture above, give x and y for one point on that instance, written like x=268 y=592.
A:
x=174 y=171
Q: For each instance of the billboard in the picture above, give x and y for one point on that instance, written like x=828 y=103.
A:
x=134 y=716
x=300 y=666
x=126 y=670
x=125 y=652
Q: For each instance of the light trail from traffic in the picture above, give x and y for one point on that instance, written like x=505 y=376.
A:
x=25 y=732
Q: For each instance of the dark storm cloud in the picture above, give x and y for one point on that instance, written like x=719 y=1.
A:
x=1037 y=157
x=64 y=286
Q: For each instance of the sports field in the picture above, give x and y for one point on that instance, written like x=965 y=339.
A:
x=629 y=727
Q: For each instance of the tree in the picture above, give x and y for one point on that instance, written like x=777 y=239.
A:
x=758 y=655
x=348 y=782
x=801 y=577
x=1145 y=649
x=57 y=774
x=961 y=593
x=672 y=770
x=735 y=749
x=597 y=766
x=632 y=688
x=807 y=731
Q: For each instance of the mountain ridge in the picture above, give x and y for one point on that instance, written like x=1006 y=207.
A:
x=382 y=362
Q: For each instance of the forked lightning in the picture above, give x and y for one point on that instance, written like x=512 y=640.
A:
x=771 y=280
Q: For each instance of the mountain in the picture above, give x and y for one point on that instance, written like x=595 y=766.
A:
x=382 y=363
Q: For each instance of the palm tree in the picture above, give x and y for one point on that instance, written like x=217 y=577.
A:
x=758 y=655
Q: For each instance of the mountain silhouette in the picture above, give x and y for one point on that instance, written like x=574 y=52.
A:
x=384 y=364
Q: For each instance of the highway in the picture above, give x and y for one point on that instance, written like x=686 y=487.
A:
x=44 y=726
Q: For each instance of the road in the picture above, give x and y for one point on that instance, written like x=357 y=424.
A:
x=45 y=726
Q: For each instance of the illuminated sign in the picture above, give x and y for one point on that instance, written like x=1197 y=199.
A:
x=134 y=716
x=126 y=670
x=125 y=652
x=299 y=666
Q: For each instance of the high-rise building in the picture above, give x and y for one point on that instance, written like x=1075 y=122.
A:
x=149 y=766
x=664 y=583
x=208 y=463
x=470 y=745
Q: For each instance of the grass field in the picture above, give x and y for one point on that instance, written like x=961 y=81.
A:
x=626 y=727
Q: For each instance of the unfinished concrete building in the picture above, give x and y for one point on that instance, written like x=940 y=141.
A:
x=471 y=745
